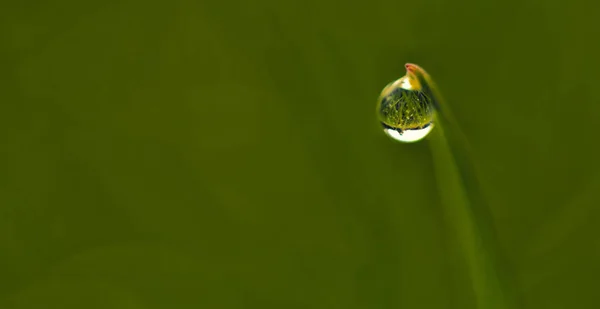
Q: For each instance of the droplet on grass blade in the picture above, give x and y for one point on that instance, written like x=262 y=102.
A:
x=405 y=109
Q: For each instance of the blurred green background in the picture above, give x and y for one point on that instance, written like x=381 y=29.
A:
x=218 y=154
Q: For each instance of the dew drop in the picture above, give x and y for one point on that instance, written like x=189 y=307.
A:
x=406 y=109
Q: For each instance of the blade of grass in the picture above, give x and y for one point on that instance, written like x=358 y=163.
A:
x=467 y=211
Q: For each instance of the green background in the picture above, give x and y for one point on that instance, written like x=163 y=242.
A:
x=217 y=154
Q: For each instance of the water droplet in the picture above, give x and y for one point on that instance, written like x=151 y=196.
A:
x=405 y=109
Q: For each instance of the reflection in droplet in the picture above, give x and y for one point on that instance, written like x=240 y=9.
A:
x=408 y=136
